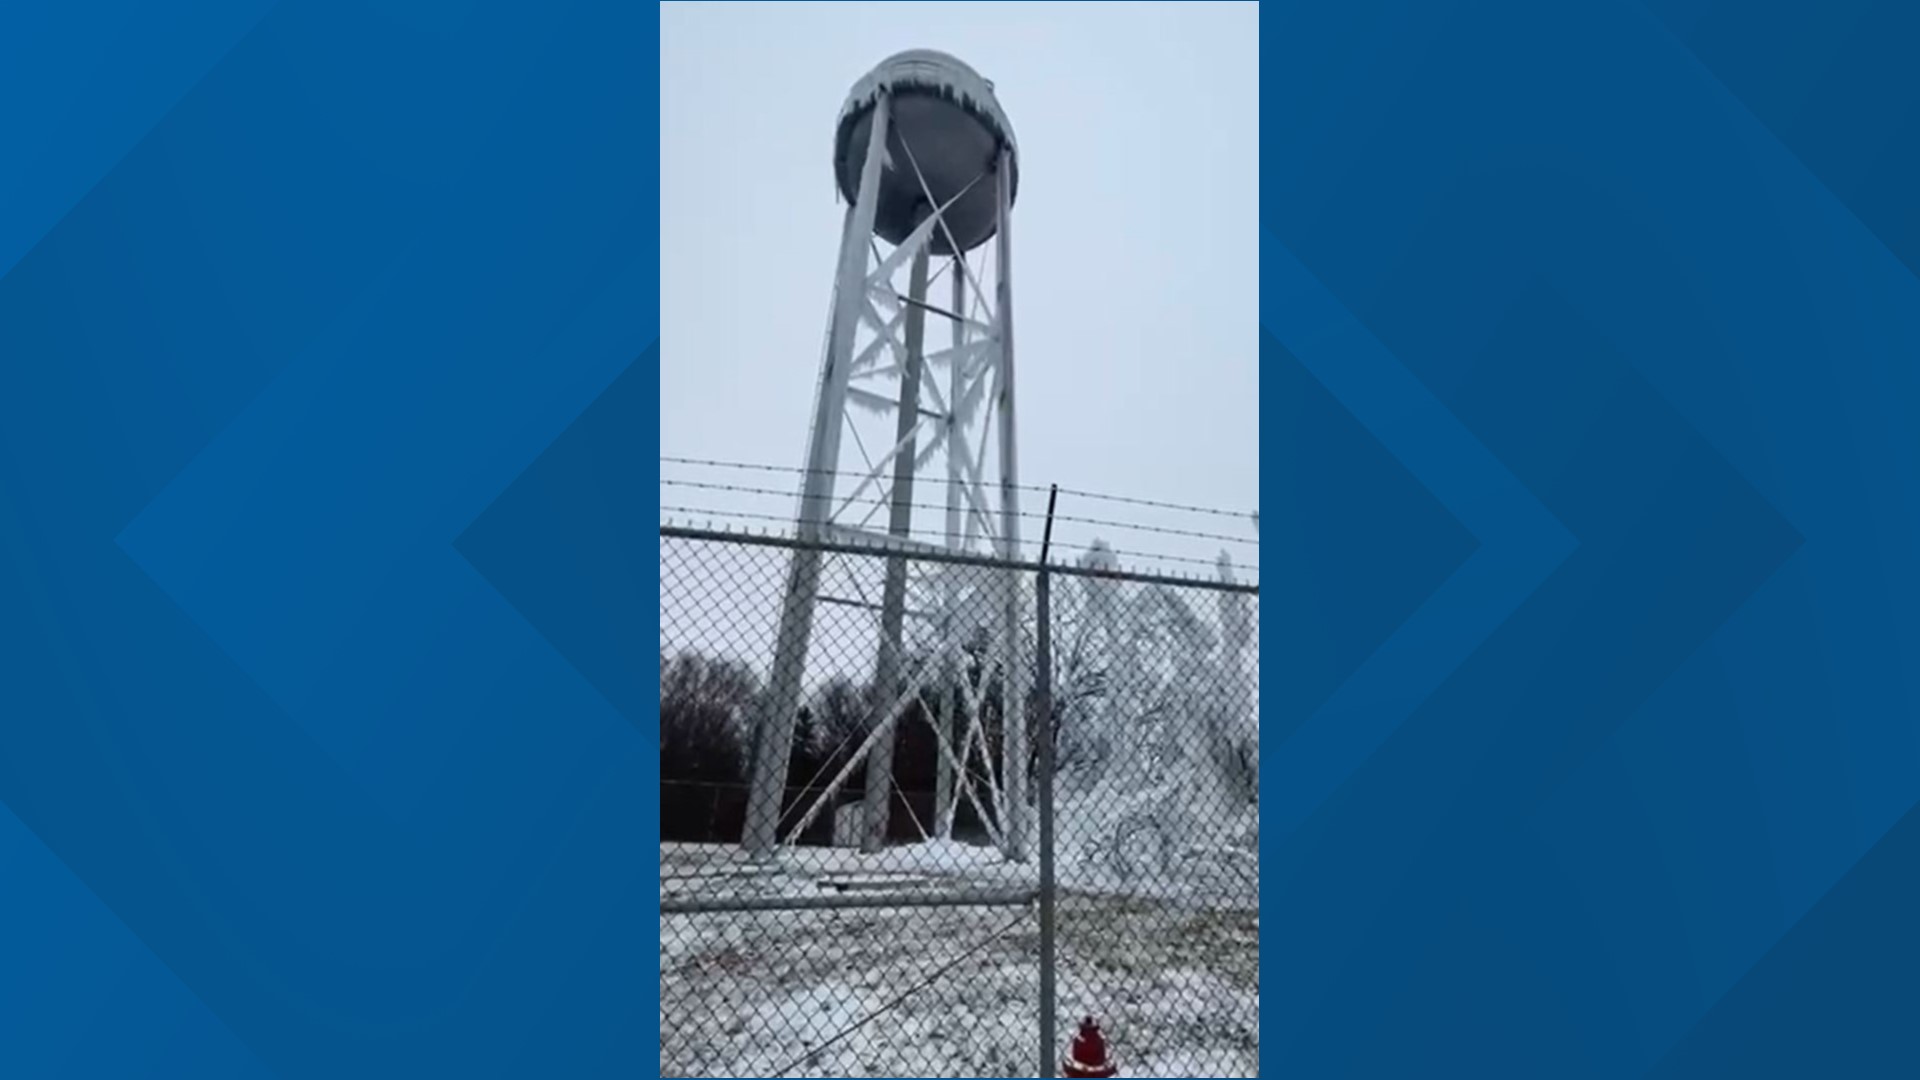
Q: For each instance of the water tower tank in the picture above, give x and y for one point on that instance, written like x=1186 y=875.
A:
x=947 y=116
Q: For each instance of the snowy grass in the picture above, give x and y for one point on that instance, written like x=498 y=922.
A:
x=1175 y=983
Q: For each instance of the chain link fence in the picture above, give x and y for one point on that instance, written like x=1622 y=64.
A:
x=1003 y=786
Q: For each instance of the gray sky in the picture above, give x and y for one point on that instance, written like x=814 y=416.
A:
x=1135 y=241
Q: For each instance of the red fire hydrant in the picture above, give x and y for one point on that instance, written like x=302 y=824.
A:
x=1088 y=1054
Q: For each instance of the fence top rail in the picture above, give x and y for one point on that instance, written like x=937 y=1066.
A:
x=920 y=553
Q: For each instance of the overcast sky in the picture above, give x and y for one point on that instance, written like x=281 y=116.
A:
x=1135 y=238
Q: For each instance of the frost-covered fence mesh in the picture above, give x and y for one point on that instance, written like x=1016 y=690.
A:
x=1156 y=709
x=896 y=930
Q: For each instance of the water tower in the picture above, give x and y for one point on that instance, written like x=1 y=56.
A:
x=925 y=160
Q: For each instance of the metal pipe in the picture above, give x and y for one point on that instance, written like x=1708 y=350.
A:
x=701 y=905
x=773 y=736
x=1014 y=705
x=878 y=800
x=947 y=775
x=1043 y=699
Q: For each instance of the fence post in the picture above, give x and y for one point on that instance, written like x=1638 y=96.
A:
x=1043 y=701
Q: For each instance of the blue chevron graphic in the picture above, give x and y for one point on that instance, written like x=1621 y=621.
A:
x=1845 y=1032
x=1341 y=574
x=1687 y=348
x=84 y=996
x=53 y=53
x=1520 y=543
x=341 y=810
x=573 y=542
x=1841 y=103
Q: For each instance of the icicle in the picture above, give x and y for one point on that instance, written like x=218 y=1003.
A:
x=935 y=72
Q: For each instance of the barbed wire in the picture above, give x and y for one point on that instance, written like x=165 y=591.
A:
x=1179 y=507
x=1079 y=493
x=778 y=519
x=716 y=514
x=881 y=499
x=796 y=470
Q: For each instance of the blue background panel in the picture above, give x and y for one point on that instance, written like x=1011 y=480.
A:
x=289 y=294
x=1631 y=289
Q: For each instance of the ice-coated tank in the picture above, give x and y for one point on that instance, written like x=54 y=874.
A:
x=944 y=119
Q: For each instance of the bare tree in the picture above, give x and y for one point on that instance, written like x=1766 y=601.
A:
x=704 y=706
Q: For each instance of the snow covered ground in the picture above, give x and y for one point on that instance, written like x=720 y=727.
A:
x=1173 y=980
